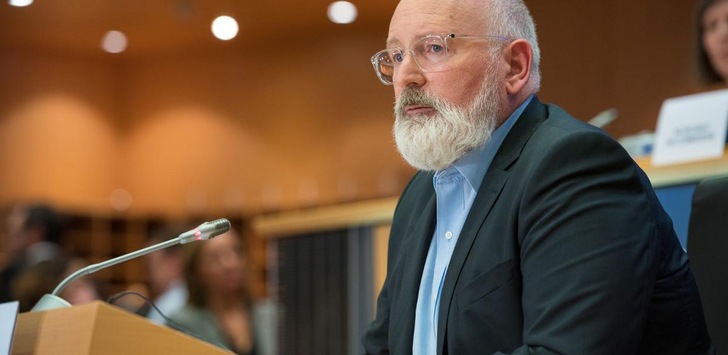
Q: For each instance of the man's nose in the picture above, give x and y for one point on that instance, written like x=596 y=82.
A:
x=408 y=73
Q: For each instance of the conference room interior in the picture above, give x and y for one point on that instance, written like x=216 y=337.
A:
x=283 y=129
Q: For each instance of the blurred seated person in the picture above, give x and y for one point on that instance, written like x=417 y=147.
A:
x=713 y=41
x=33 y=235
x=43 y=277
x=165 y=269
x=219 y=309
x=712 y=23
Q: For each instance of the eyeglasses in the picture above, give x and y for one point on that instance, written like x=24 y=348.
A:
x=429 y=52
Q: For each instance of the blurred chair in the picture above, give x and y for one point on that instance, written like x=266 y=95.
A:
x=708 y=251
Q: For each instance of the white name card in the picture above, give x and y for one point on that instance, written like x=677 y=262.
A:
x=691 y=128
x=8 y=317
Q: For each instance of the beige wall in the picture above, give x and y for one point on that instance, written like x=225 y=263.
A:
x=58 y=134
x=293 y=121
x=293 y=124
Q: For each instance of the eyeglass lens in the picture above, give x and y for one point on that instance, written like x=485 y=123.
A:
x=428 y=52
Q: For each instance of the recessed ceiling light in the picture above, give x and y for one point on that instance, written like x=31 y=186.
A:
x=114 y=42
x=225 y=28
x=342 y=12
x=20 y=3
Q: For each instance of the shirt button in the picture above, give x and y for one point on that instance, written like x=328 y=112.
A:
x=448 y=235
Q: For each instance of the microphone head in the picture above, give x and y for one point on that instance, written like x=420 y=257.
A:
x=205 y=231
x=216 y=227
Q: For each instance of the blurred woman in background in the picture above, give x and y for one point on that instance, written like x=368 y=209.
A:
x=219 y=308
x=712 y=23
x=712 y=41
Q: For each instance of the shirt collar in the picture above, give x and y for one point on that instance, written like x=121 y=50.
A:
x=475 y=164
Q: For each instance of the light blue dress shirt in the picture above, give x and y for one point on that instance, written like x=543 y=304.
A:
x=455 y=189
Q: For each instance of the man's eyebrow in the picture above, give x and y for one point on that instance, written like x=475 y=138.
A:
x=393 y=42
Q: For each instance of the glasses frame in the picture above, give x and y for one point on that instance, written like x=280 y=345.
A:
x=375 y=59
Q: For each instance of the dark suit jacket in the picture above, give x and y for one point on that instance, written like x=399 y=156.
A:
x=566 y=250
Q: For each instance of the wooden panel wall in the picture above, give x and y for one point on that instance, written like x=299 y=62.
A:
x=624 y=54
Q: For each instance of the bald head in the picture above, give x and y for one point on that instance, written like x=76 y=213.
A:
x=448 y=16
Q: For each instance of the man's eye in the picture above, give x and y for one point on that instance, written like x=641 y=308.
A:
x=398 y=57
x=436 y=48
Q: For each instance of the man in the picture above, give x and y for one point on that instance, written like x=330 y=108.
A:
x=526 y=230
x=165 y=269
x=33 y=235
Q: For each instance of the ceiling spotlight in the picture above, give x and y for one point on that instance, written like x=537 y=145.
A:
x=20 y=3
x=225 y=28
x=342 y=12
x=114 y=42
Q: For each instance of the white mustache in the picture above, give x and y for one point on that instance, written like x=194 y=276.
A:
x=416 y=97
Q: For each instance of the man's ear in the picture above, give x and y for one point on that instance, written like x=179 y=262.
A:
x=519 y=57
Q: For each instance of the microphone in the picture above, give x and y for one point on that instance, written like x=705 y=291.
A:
x=604 y=118
x=204 y=231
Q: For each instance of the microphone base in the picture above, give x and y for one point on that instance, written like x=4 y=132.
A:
x=48 y=302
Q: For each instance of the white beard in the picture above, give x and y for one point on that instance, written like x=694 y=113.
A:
x=433 y=143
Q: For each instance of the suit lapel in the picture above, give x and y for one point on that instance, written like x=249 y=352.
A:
x=488 y=193
x=415 y=253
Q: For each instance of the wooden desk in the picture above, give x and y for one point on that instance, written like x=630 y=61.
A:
x=100 y=328
x=683 y=173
